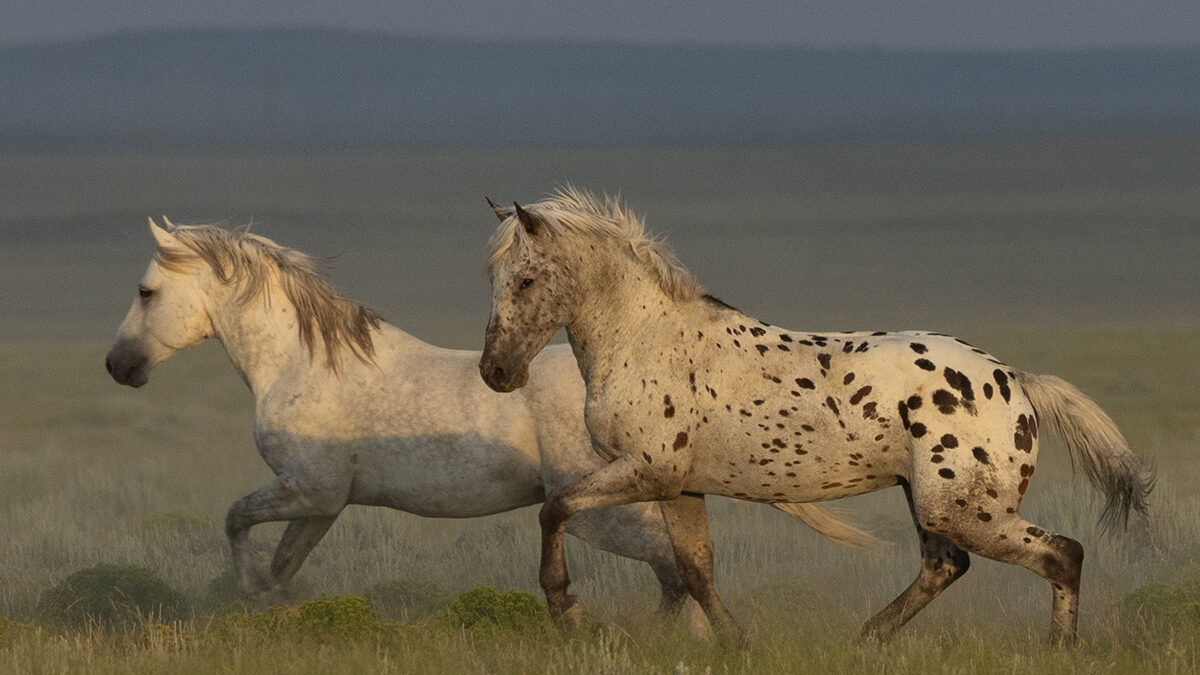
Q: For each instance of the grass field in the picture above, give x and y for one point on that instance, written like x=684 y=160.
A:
x=91 y=472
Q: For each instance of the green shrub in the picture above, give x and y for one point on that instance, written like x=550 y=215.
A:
x=1162 y=613
x=487 y=609
x=406 y=599
x=12 y=631
x=112 y=595
x=325 y=619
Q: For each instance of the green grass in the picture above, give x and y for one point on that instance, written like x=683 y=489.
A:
x=95 y=473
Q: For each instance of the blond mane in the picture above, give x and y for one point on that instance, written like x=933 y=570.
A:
x=571 y=211
x=250 y=263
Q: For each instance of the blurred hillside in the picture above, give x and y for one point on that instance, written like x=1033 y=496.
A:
x=324 y=90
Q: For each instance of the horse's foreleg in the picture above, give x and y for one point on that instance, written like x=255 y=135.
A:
x=274 y=502
x=614 y=484
x=687 y=523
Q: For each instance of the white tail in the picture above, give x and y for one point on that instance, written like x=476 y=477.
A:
x=831 y=527
x=1095 y=444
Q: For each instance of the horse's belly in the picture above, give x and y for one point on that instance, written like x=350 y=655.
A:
x=448 y=480
x=787 y=477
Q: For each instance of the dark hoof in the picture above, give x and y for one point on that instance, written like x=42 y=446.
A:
x=1063 y=640
x=567 y=615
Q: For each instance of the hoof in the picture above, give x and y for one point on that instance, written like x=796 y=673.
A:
x=1063 y=640
x=567 y=615
x=279 y=596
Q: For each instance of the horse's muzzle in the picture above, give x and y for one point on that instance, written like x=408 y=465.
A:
x=500 y=378
x=127 y=367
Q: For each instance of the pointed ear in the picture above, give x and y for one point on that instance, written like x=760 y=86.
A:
x=498 y=210
x=163 y=238
x=532 y=224
x=167 y=222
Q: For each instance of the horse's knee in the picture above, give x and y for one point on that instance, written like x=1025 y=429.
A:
x=1065 y=564
x=959 y=562
x=553 y=514
x=236 y=522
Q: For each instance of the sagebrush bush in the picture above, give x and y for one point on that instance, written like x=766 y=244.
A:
x=407 y=599
x=111 y=595
x=325 y=619
x=1161 y=612
x=488 y=609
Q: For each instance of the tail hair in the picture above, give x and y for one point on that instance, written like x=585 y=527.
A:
x=830 y=526
x=1095 y=443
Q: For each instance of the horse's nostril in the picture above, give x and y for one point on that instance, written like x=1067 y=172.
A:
x=108 y=365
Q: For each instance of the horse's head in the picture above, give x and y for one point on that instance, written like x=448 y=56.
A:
x=170 y=313
x=533 y=295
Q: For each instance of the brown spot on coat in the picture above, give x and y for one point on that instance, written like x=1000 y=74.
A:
x=949 y=440
x=832 y=406
x=925 y=364
x=805 y=383
x=1023 y=436
x=946 y=473
x=859 y=395
x=1002 y=383
x=980 y=454
x=959 y=382
x=918 y=347
x=824 y=360
x=681 y=440
x=945 y=401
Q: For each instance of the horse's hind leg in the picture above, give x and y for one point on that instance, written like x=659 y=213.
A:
x=637 y=531
x=687 y=522
x=1053 y=557
x=941 y=564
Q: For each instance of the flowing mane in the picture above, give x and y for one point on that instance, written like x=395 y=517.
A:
x=571 y=211
x=250 y=263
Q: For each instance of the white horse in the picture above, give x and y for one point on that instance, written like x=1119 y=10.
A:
x=351 y=410
x=688 y=396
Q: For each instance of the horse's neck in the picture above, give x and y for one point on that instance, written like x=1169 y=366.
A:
x=260 y=337
x=624 y=305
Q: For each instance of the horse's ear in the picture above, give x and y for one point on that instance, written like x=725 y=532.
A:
x=498 y=210
x=531 y=223
x=163 y=238
x=168 y=223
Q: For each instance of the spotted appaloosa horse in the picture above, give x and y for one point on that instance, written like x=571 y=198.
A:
x=352 y=410
x=688 y=396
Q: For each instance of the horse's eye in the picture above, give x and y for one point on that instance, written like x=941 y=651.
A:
x=526 y=283
x=144 y=292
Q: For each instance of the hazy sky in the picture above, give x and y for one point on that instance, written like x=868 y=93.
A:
x=973 y=24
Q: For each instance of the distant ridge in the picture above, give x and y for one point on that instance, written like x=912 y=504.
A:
x=324 y=89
